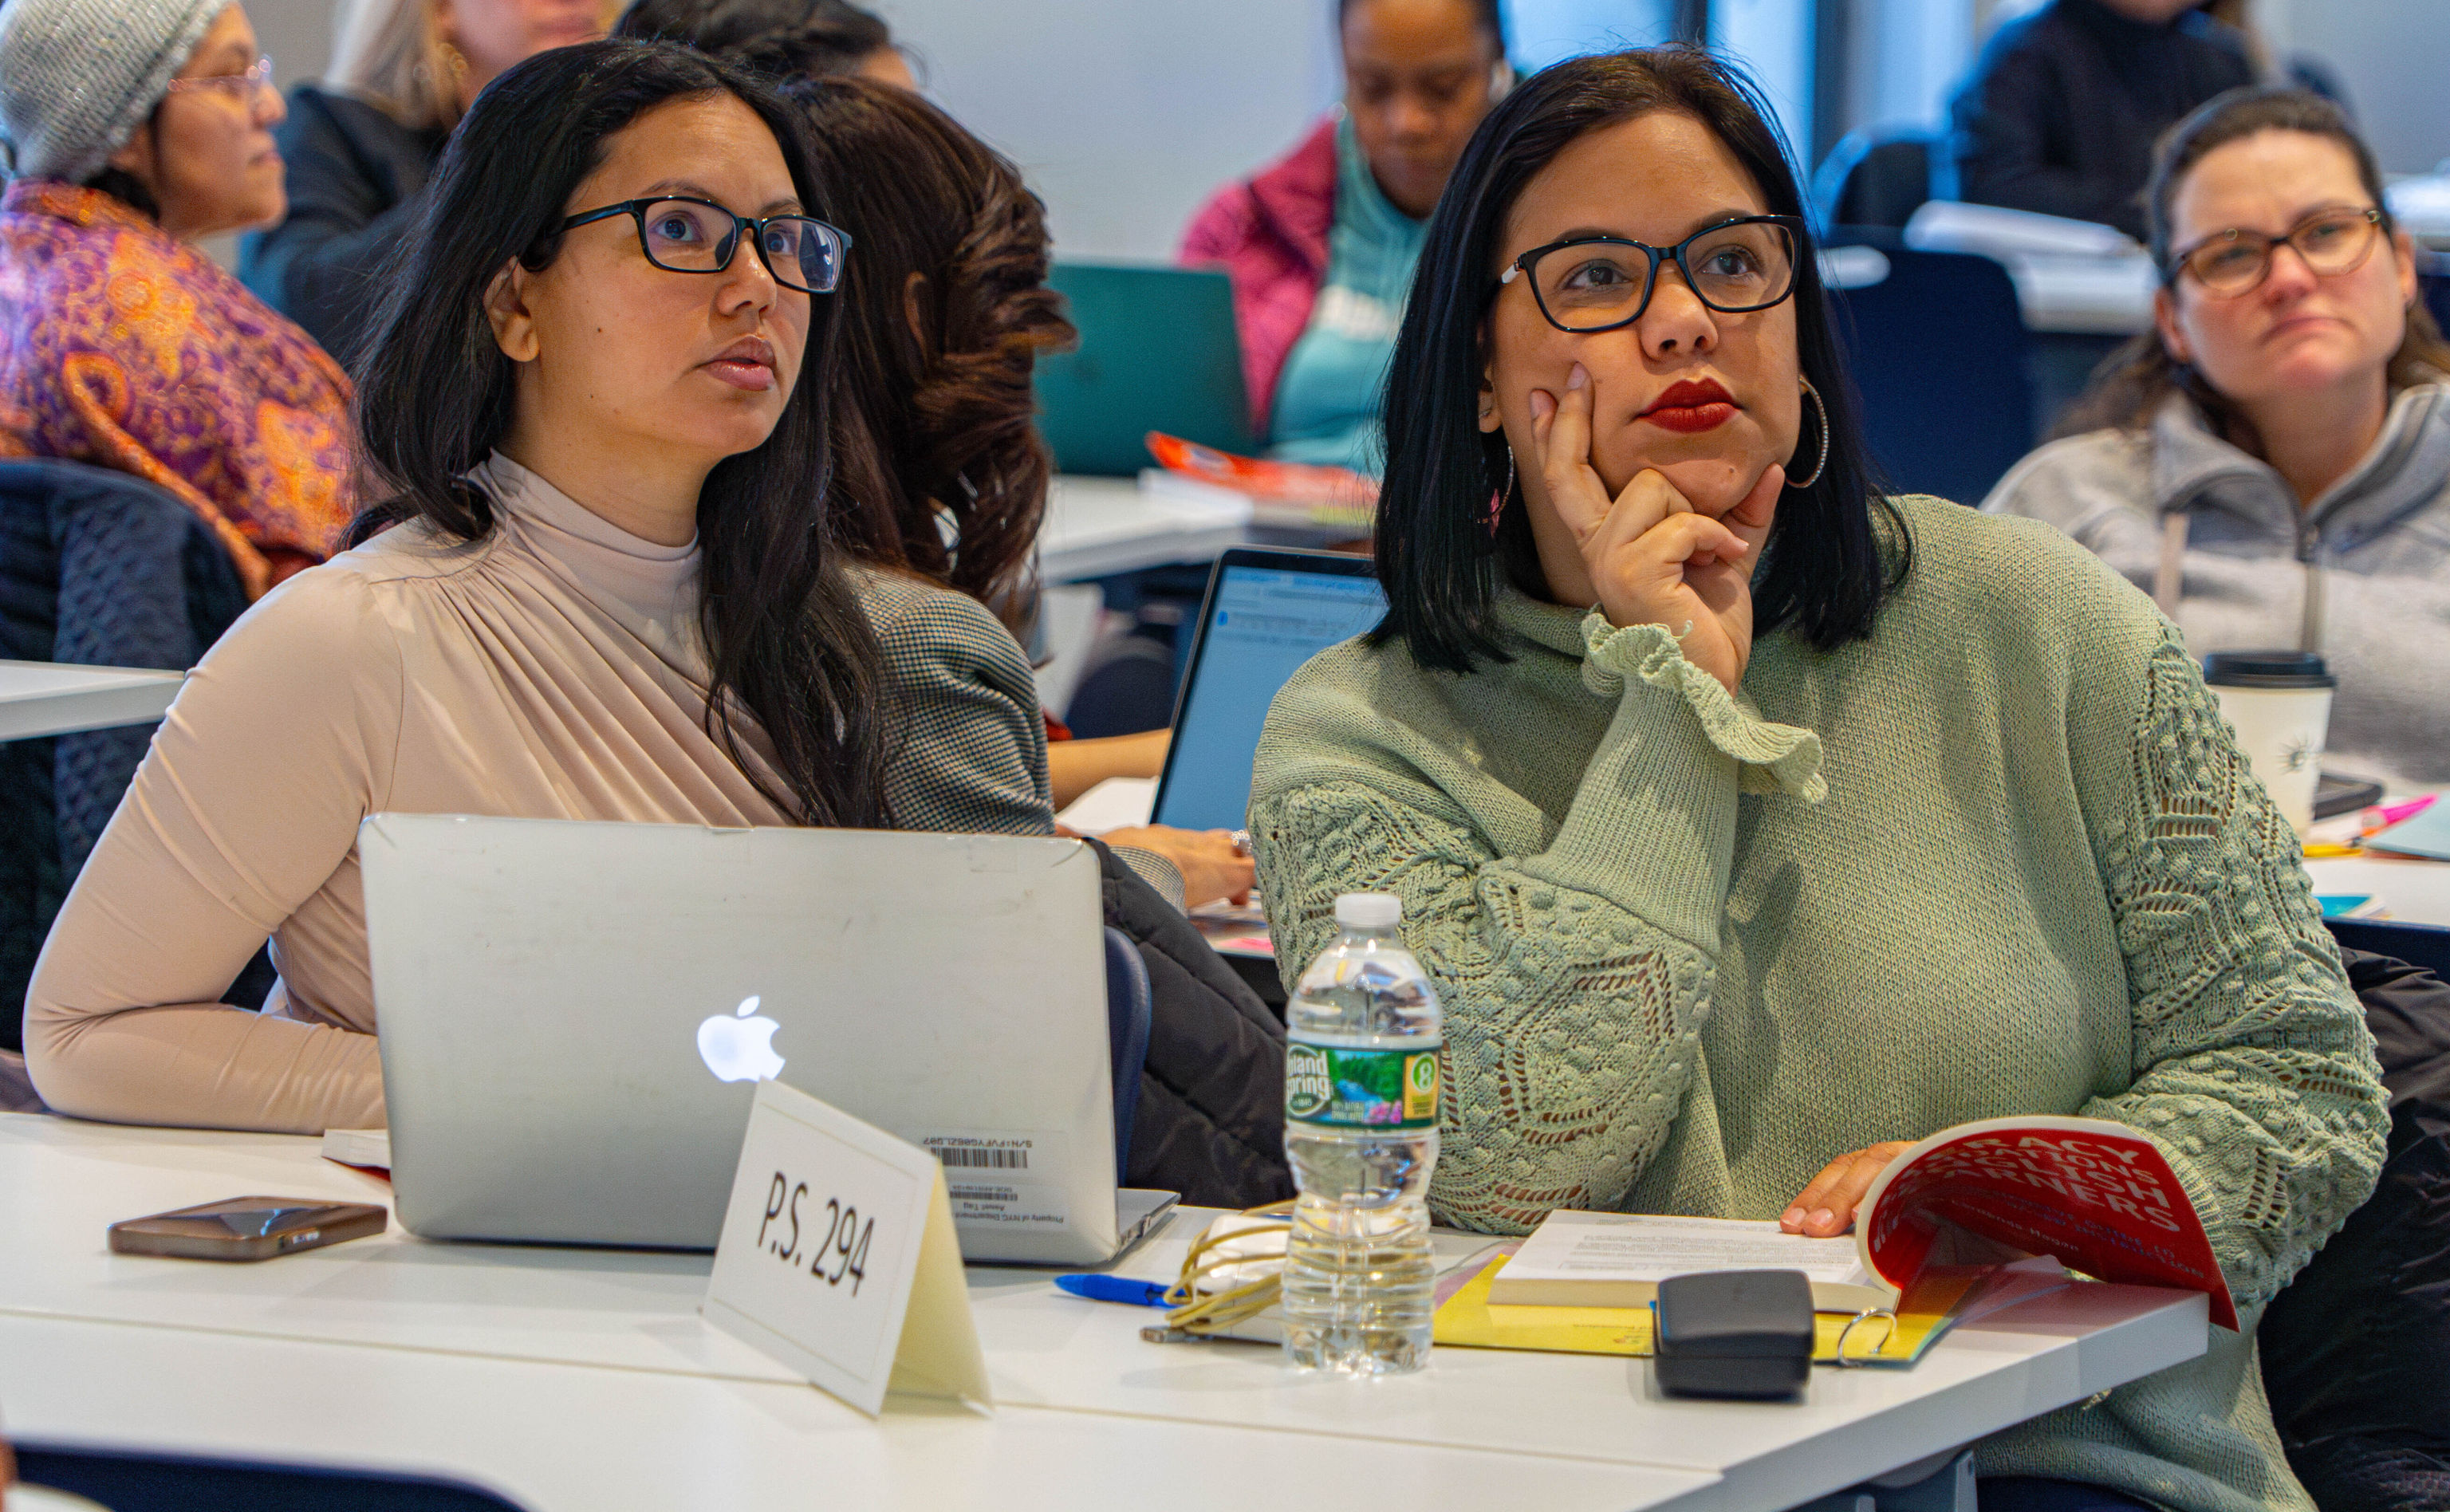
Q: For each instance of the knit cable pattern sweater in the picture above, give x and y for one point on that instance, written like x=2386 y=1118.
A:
x=2001 y=856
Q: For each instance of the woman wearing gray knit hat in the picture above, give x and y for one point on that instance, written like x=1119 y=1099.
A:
x=129 y=128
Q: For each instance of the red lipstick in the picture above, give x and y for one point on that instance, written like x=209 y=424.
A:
x=1691 y=406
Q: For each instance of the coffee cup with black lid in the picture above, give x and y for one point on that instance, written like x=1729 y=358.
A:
x=2280 y=705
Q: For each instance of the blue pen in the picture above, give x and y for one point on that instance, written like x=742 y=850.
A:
x=1115 y=1288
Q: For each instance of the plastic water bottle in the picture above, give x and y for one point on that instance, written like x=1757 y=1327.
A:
x=1361 y=1128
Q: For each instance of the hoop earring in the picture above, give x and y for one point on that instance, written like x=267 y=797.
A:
x=1497 y=500
x=1820 y=465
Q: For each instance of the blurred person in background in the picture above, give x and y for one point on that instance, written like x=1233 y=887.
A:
x=805 y=39
x=943 y=475
x=1321 y=244
x=2064 y=104
x=134 y=128
x=2272 y=461
x=361 y=143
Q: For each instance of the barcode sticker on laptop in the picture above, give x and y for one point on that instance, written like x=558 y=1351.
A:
x=1003 y=1178
x=989 y=1158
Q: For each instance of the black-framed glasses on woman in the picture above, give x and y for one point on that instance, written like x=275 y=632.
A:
x=2231 y=263
x=683 y=235
x=1600 y=283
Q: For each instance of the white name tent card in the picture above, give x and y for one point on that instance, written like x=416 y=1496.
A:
x=838 y=1257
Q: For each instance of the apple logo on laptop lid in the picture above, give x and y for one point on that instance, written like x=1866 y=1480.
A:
x=737 y=1047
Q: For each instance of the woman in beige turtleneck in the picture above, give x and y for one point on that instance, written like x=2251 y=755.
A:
x=606 y=465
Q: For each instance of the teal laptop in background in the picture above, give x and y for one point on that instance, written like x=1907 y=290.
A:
x=1158 y=353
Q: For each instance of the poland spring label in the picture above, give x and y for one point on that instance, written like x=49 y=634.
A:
x=1343 y=1087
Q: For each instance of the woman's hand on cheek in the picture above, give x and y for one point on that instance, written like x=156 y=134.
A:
x=1652 y=559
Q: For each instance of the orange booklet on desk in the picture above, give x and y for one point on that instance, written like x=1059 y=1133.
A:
x=2097 y=1195
x=1290 y=494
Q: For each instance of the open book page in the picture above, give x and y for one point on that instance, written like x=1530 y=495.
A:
x=2097 y=1195
x=1618 y=1259
x=1119 y=802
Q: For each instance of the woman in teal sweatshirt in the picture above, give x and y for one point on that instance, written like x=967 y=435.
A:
x=1752 y=824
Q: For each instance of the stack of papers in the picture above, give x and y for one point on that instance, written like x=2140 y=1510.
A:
x=1990 y=231
x=1119 y=802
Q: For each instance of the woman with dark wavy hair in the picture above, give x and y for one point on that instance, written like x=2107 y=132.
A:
x=599 y=390
x=942 y=475
x=941 y=470
x=1752 y=824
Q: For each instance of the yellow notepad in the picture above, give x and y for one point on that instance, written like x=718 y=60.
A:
x=1468 y=1320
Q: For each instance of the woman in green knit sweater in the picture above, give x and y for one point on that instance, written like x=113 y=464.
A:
x=1753 y=824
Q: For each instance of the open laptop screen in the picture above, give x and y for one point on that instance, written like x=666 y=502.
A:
x=1267 y=612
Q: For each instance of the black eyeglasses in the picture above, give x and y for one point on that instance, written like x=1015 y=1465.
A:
x=1600 y=283
x=2231 y=263
x=698 y=236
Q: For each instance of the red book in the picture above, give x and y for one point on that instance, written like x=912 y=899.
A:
x=2096 y=1194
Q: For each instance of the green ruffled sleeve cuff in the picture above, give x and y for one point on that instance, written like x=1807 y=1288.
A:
x=1769 y=757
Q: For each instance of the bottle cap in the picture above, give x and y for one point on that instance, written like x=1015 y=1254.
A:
x=1368 y=910
x=2267 y=670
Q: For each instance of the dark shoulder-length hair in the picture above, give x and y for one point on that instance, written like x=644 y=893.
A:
x=775 y=37
x=1821 y=568
x=2132 y=382
x=786 y=642
x=941 y=470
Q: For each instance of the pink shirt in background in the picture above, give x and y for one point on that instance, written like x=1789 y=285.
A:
x=1268 y=233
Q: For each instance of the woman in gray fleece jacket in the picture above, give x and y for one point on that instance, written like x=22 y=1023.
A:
x=2272 y=462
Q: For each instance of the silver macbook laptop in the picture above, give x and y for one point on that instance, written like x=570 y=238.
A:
x=574 y=1016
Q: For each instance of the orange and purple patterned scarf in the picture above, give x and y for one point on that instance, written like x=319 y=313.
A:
x=123 y=347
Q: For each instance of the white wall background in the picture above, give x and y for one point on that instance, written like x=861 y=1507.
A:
x=2392 y=56
x=1127 y=113
x=1773 y=39
x=296 y=33
x=1541 y=31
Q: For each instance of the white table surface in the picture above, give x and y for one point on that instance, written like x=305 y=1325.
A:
x=514 y=1367
x=1099 y=526
x=2414 y=890
x=56 y=698
x=570 y=1438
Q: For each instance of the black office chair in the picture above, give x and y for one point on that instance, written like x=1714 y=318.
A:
x=1935 y=343
x=2433 y=286
x=101 y=569
x=126 y=1481
x=2356 y=1349
x=1870 y=180
x=2426 y=945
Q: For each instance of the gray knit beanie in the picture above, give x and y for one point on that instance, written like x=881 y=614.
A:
x=77 y=77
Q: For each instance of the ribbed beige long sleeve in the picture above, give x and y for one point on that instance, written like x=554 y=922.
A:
x=552 y=670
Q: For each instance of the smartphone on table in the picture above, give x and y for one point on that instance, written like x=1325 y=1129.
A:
x=247 y=1228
